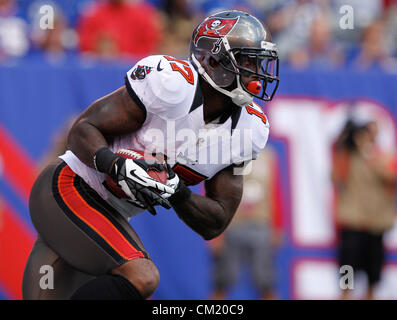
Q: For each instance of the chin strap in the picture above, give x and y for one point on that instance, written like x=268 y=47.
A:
x=238 y=95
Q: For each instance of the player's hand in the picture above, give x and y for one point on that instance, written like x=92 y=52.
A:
x=172 y=181
x=132 y=177
x=181 y=192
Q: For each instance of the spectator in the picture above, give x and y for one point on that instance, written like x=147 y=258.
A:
x=250 y=6
x=391 y=21
x=365 y=12
x=178 y=21
x=55 y=43
x=291 y=24
x=321 y=49
x=177 y=9
x=375 y=50
x=117 y=28
x=252 y=235
x=13 y=31
x=365 y=180
x=178 y=36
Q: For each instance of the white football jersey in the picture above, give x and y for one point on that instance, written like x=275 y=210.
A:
x=168 y=91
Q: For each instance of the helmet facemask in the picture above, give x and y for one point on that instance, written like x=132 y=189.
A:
x=260 y=65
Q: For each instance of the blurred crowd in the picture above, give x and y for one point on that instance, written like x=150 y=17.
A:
x=332 y=34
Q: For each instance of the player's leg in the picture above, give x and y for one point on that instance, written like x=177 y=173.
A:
x=350 y=253
x=229 y=262
x=135 y=279
x=217 y=254
x=374 y=262
x=90 y=235
x=49 y=277
x=261 y=260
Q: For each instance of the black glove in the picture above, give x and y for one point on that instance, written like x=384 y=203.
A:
x=132 y=177
x=181 y=192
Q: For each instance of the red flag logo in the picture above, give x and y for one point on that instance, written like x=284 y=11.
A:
x=214 y=28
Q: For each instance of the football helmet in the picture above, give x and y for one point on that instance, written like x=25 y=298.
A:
x=241 y=47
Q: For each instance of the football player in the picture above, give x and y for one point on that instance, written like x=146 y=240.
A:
x=169 y=106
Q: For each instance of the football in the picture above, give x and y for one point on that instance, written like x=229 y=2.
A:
x=136 y=154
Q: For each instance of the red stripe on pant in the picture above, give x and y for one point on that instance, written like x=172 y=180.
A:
x=93 y=218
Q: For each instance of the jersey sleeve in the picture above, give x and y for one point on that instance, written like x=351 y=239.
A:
x=260 y=137
x=254 y=134
x=159 y=86
x=261 y=128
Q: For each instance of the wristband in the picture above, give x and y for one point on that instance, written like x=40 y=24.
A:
x=104 y=159
x=181 y=195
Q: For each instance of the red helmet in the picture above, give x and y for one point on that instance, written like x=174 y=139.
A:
x=236 y=40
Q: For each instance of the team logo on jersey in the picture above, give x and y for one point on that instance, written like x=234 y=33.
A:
x=214 y=28
x=140 y=72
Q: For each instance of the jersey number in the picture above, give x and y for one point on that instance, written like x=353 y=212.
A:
x=259 y=114
x=186 y=73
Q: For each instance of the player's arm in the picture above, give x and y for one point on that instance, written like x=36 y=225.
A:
x=113 y=115
x=209 y=215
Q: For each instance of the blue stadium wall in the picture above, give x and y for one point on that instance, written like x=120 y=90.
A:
x=37 y=99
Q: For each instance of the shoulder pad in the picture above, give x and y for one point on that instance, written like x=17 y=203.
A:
x=165 y=85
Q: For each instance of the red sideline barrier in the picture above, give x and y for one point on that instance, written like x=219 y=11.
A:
x=18 y=167
x=16 y=241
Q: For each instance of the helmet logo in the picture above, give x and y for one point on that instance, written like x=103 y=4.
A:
x=214 y=28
